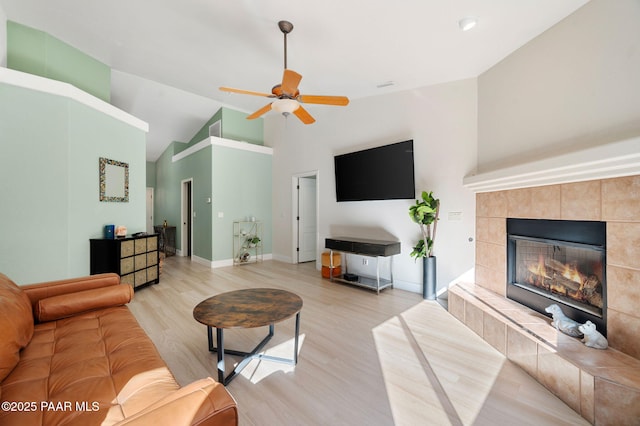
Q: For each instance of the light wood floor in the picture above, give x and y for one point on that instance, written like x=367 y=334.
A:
x=364 y=359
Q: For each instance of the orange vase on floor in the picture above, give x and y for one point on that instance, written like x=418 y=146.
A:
x=326 y=270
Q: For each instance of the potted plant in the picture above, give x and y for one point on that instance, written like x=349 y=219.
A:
x=253 y=241
x=425 y=213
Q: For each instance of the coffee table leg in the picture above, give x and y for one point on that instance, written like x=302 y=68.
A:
x=248 y=356
x=210 y=339
x=220 y=351
x=295 y=349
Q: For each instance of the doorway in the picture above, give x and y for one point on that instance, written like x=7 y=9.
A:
x=305 y=217
x=186 y=240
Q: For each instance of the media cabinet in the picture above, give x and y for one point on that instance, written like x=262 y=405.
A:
x=364 y=247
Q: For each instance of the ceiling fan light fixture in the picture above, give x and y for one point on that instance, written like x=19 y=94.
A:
x=285 y=106
x=467 y=23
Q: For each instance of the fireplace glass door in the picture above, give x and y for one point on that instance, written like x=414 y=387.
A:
x=568 y=273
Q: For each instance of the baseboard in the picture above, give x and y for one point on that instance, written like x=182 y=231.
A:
x=282 y=258
x=229 y=262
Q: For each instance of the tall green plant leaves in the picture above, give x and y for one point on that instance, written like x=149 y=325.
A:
x=425 y=213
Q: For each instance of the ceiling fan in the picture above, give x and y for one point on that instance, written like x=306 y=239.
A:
x=288 y=97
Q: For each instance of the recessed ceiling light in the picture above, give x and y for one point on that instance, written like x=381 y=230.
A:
x=467 y=23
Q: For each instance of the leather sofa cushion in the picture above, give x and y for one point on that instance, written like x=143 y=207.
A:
x=66 y=305
x=16 y=324
x=46 y=289
x=100 y=357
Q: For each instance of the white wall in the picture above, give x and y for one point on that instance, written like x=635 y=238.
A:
x=442 y=122
x=575 y=86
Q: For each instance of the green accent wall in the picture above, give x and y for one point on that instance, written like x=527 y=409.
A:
x=168 y=196
x=237 y=181
x=151 y=174
x=241 y=189
x=50 y=182
x=203 y=133
x=36 y=52
x=235 y=126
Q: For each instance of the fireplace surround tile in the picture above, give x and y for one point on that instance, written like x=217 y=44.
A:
x=587 y=408
x=482 y=229
x=576 y=206
x=521 y=316
x=613 y=402
x=491 y=230
x=623 y=331
x=493 y=256
x=582 y=377
x=522 y=350
x=534 y=202
x=495 y=332
x=623 y=244
x=492 y=279
x=456 y=307
x=473 y=318
x=519 y=203
x=623 y=286
x=621 y=199
x=497 y=231
x=492 y=204
x=559 y=376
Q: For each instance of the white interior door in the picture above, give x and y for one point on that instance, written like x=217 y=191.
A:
x=307 y=219
x=150 y=210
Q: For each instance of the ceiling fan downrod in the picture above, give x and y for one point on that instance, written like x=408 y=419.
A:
x=286 y=27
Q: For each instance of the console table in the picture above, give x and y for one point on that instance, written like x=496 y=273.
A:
x=364 y=247
x=167 y=239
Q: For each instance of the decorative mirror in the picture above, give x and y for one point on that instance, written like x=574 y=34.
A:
x=114 y=181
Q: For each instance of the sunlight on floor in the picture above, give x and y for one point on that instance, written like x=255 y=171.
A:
x=432 y=373
x=259 y=369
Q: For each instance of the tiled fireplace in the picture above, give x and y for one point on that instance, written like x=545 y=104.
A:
x=596 y=271
x=614 y=202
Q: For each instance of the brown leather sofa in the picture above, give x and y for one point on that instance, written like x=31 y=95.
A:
x=71 y=353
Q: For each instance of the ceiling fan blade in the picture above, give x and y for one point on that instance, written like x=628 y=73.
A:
x=290 y=81
x=304 y=116
x=246 y=92
x=324 y=100
x=259 y=112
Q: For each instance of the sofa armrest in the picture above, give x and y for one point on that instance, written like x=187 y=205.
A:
x=66 y=305
x=204 y=402
x=43 y=290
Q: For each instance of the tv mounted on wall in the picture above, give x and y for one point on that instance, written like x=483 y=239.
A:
x=382 y=173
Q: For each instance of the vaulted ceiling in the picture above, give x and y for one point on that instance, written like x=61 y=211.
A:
x=169 y=57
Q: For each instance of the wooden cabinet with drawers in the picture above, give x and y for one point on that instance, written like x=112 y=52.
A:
x=135 y=259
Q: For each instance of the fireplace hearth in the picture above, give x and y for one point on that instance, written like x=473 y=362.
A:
x=558 y=261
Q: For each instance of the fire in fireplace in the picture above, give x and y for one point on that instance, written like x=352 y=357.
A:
x=563 y=262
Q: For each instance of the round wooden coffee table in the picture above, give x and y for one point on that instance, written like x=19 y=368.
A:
x=248 y=308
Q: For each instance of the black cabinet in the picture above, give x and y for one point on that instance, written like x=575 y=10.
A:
x=135 y=259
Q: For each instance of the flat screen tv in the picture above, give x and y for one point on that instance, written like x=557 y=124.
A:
x=382 y=173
